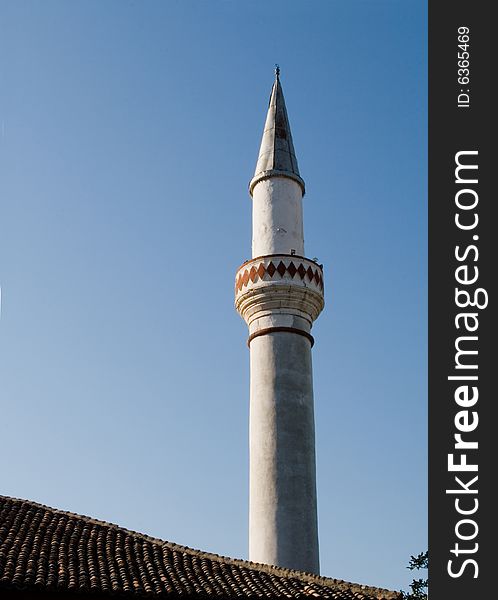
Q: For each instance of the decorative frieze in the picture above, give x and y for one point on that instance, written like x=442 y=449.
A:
x=279 y=266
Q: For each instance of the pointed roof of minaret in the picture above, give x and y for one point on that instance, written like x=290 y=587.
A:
x=276 y=154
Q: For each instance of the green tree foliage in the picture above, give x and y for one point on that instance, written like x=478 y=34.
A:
x=418 y=586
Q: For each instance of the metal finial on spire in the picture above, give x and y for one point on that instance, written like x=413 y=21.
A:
x=277 y=70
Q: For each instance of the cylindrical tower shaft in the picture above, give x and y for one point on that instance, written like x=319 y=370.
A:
x=279 y=293
x=283 y=527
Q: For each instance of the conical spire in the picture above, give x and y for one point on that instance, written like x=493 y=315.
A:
x=276 y=154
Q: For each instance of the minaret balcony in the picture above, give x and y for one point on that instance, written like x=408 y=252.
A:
x=279 y=283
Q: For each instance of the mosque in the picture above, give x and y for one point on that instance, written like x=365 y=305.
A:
x=49 y=553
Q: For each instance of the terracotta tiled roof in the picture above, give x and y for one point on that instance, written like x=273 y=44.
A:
x=48 y=550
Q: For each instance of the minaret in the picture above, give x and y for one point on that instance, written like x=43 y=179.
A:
x=279 y=294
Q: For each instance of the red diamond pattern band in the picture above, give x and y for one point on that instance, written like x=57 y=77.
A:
x=261 y=270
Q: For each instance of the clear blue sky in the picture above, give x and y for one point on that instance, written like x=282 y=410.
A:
x=129 y=133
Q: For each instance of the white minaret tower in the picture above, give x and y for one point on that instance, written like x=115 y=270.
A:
x=279 y=294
